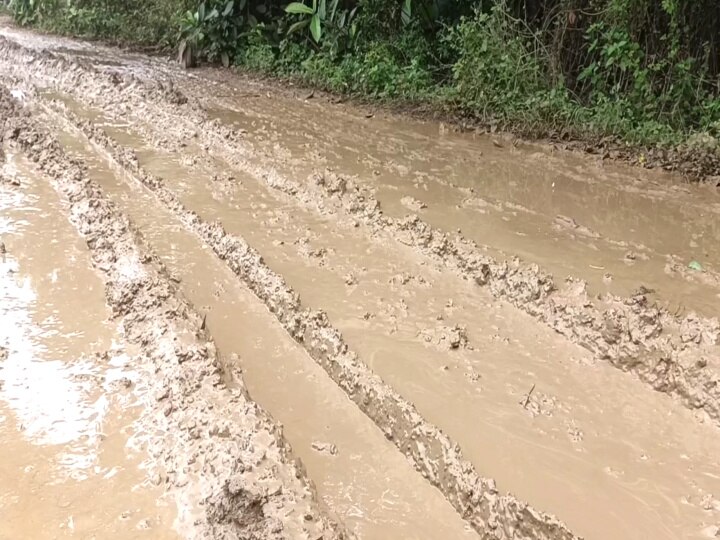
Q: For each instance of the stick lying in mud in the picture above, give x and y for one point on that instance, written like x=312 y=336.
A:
x=222 y=457
x=527 y=398
x=432 y=453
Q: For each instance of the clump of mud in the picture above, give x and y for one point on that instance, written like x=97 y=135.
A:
x=411 y=203
x=445 y=338
x=219 y=454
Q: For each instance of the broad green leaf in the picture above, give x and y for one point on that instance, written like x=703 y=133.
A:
x=228 y=8
x=298 y=26
x=298 y=7
x=316 y=28
x=225 y=59
x=261 y=9
x=322 y=10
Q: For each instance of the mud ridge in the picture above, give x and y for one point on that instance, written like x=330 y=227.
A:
x=667 y=352
x=219 y=454
x=670 y=353
x=433 y=454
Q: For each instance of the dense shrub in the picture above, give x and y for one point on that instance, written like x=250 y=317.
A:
x=646 y=70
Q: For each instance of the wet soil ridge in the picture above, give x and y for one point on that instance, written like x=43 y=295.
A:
x=669 y=353
x=433 y=454
x=219 y=453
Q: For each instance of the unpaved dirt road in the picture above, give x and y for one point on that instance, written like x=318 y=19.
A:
x=227 y=311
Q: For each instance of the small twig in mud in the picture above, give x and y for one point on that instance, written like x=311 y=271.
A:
x=3 y=251
x=594 y=267
x=202 y=326
x=527 y=398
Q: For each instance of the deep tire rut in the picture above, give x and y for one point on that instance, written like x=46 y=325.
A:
x=672 y=354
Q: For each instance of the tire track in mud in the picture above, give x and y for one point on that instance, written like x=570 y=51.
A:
x=433 y=454
x=507 y=197
x=361 y=476
x=674 y=355
x=231 y=470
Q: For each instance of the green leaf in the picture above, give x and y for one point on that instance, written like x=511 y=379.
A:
x=298 y=7
x=228 y=8
x=406 y=12
x=298 y=26
x=694 y=265
x=316 y=28
x=322 y=10
x=225 y=59
x=201 y=12
x=333 y=9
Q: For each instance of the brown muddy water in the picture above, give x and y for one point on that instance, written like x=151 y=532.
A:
x=549 y=421
x=68 y=391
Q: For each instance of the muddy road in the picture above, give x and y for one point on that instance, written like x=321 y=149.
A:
x=229 y=311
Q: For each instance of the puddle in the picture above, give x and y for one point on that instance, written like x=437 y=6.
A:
x=66 y=412
x=529 y=203
x=594 y=432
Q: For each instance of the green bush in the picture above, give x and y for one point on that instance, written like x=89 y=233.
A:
x=645 y=70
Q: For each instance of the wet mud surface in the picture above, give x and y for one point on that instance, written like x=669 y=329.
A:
x=460 y=336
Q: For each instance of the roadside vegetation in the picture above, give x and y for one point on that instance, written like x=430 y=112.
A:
x=637 y=72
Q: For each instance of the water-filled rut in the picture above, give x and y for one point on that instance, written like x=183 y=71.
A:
x=384 y=292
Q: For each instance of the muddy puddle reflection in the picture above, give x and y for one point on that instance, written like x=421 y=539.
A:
x=66 y=400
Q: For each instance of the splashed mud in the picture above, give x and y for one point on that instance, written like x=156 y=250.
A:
x=437 y=334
